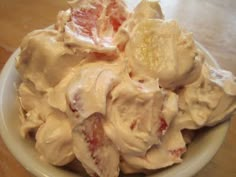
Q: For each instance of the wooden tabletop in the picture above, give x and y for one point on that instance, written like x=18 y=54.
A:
x=212 y=22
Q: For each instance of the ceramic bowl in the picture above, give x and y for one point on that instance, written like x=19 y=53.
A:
x=199 y=153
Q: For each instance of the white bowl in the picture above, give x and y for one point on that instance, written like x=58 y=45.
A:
x=199 y=153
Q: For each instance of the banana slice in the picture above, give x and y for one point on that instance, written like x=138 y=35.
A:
x=161 y=50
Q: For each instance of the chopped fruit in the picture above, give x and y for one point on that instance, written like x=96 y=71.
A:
x=86 y=19
x=90 y=136
x=157 y=49
x=116 y=14
x=94 y=132
x=94 y=23
x=76 y=104
x=163 y=126
x=178 y=152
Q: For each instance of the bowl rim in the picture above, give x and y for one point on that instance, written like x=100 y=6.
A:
x=7 y=69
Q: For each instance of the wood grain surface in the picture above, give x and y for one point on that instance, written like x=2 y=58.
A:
x=213 y=23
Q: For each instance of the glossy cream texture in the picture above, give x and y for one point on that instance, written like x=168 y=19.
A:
x=116 y=88
x=44 y=54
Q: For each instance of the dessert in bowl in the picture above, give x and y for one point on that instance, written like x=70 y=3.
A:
x=117 y=90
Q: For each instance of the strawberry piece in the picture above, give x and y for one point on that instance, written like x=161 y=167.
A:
x=86 y=19
x=178 y=152
x=94 y=133
x=163 y=126
x=116 y=14
x=94 y=23
x=76 y=104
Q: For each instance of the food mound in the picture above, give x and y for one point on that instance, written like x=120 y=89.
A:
x=117 y=88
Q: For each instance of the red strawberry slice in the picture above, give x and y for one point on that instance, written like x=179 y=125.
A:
x=86 y=20
x=178 y=152
x=163 y=126
x=94 y=149
x=94 y=133
x=94 y=23
x=116 y=14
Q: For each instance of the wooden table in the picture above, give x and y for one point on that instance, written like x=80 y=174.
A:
x=213 y=23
